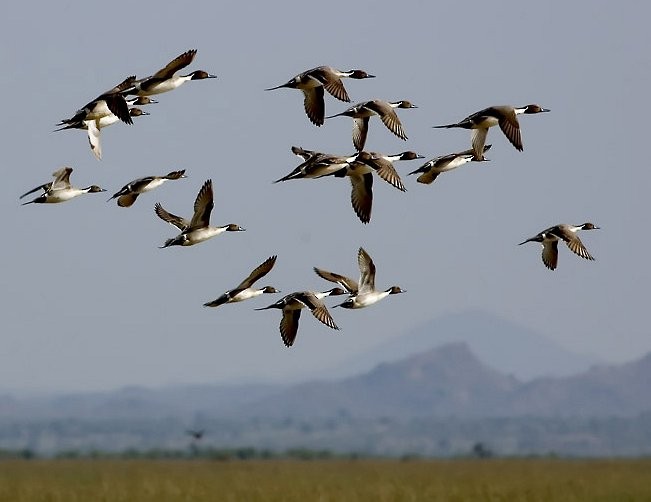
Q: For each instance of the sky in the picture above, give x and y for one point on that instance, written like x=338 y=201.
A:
x=88 y=300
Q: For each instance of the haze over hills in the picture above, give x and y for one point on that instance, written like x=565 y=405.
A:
x=503 y=345
x=437 y=402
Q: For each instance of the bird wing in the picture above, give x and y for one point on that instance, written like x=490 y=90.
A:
x=314 y=104
x=478 y=140
x=387 y=171
x=172 y=219
x=577 y=247
x=317 y=307
x=258 y=272
x=332 y=83
x=511 y=128
x=347 y=283
x=61 y=178
x=361 y=196
x=289 y=326
x=203 y=205
x=388 y=116
x=175 y=65
x=366 y=271
x=128 y=199
x=303 y=153
x=93 y=138
x=360 y=131
x=550 y=254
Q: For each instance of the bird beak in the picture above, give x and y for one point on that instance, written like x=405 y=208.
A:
x=278 y=87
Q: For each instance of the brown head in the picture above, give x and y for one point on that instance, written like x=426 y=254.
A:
x=410 y=156
x=359 y=74
x=136 y=112
x=200 y=75
x=589 y=226
x=535 y=109
x=405 y=104
x=232 y=227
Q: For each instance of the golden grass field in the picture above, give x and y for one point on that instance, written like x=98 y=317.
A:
x=330 y=480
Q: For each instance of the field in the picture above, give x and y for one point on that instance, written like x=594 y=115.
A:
x=351 y=480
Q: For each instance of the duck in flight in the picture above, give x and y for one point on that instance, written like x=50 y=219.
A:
x=59 y=190
x=166 y=79
x=505 y=116
x=198 y=229
x=245 y=290
x=444 y=163
x=93 y=127
x=107 y=103
x=549 y=238
x=291 y=306
x=128 y=194
x=361 y=112
x=313 y=82
x=362 y=293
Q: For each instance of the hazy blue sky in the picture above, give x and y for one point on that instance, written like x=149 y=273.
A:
x=90 y=302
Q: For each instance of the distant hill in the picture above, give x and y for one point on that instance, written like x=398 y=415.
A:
x=438 y=402
x=451 y=382
x=504 y=345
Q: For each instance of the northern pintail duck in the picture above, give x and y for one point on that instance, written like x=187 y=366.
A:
x=363 y=292
x=59 y=190
x=291 y=306
x=245 y=290
x=361 y=112
x=504 y=116
x=93 y=128
x=165 y=79
x=198 y=229
x=128 y=194
x=360 y=173
x=568 y=233
x=432 y=168
x=317 y=164
x=382 y=164
x=313 y=82
x=110 y=102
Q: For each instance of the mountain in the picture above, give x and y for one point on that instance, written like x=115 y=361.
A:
x=450 y=381
x=510 y=347
x=439 y=402
x=440 y=382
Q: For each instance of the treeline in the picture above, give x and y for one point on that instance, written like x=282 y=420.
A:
x=194 y=452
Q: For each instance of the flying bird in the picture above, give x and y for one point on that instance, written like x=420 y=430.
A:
x=94 y=126
x=107 y=103
x=166 y=79
x=198 y=229
x=360 y=173
x=293 y=303
x=363 y=292
x=245 y=290
x=504 y=116
x=313 y=82
x=549 y=238
x=317 y=164
x=59 y=190
x=128 y=194
x=438 y=165
x=361 y=112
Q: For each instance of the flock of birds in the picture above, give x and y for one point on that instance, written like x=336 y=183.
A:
x=121 y=104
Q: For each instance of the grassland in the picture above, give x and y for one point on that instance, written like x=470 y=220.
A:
x=323 y=481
